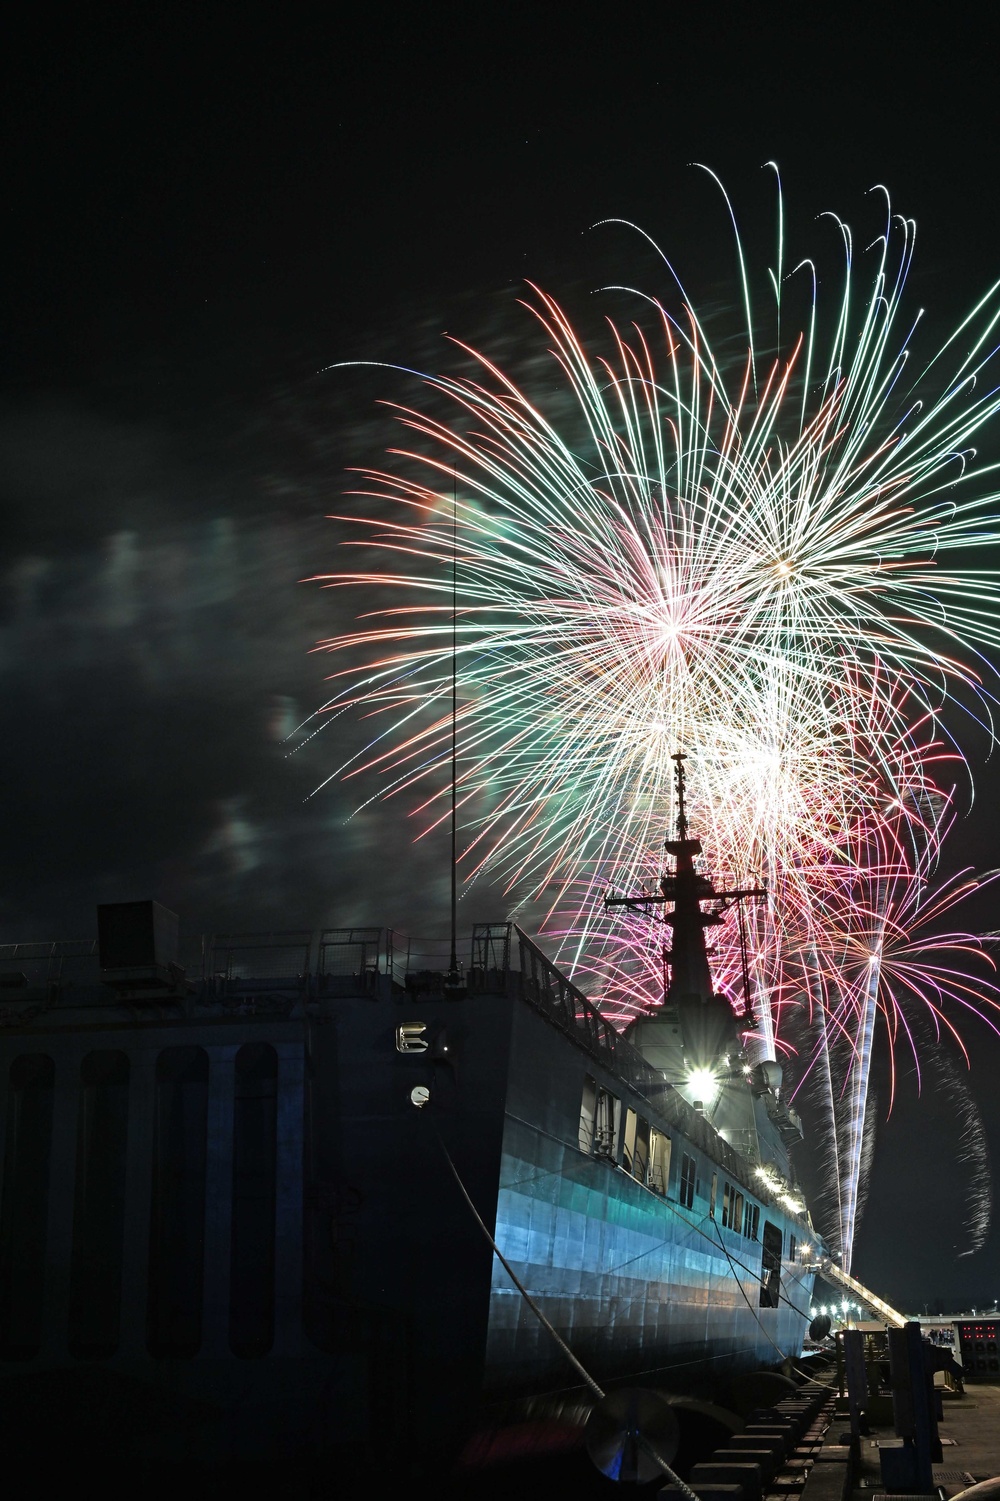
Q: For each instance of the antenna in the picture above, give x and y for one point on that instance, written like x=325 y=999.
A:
x=453 y=982
x=682 y=824
x=454 y=723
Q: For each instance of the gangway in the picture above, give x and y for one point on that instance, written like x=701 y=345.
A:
x=835 y=1276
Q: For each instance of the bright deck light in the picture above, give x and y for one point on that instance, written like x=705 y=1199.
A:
x=702 y=1085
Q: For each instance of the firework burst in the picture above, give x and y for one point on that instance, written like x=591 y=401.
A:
x=768 y=562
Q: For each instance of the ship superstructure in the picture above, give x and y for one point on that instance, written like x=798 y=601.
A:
x=695 y=1038
x=229 y=1214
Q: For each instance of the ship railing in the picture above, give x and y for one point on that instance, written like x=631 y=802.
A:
x=349 y=953
x=558 y=999
x=491 y=948
x=419 y=968
x=50 y=964
x=545 y=988
x=241 y=962
x=425 y=967
x=836 y=1276
x=397 y=956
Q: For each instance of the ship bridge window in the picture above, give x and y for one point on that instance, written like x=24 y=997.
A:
x=751 y=1221
x=792 y=1247
x=659 y=1162
x=770 y=1271
x=588 y=1108
x=607 y=1115
x=689 y=1169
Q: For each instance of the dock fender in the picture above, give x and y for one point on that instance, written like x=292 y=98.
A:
x=704 y=1427
x=749 y=1390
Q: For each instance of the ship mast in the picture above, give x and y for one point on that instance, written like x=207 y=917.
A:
x=454 y=984
x=706 y=1018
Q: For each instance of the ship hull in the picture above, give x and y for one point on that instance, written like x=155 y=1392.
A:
x=230 y=1233
x=639 y=1285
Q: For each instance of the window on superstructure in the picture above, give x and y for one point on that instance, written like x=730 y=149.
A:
x=606 y=1118
x=770 y=1269
x=628 y=1144
x=588 y=1110
x=713 y=1194
x=640 y=1162
x=751 y=1220
x=687 y=1183
x=659 y=1162
x=792 y=1247
x=732 y=1207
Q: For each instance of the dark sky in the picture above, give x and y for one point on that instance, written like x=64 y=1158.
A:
x=203 y=208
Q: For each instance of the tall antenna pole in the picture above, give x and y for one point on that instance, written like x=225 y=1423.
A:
x=682 y=824
x=454 y=729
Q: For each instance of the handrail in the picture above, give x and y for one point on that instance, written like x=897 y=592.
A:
x=830 y=1272
x=545 y=988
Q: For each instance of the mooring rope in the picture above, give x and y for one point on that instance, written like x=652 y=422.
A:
x=641 y=1439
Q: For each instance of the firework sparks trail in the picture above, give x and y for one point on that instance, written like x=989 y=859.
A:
x=768 y=564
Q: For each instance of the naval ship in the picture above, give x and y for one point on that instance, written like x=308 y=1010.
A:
x=263 y=1205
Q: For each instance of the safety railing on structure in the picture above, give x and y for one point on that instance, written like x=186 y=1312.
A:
x=543 y=986
x=51 y=962
x=349 y=952
x=258 y=961
x=833 y=1274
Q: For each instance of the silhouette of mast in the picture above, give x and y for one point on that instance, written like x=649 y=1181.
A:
x=453 y=983
x=684 y=890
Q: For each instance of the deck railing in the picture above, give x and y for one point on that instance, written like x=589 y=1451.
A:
x=239 y=963
x=546 y=989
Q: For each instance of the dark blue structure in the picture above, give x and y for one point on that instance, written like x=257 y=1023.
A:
x=229 y=1221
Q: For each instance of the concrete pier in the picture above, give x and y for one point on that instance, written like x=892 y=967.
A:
x=823 y=1465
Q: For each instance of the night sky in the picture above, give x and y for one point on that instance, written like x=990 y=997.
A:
x=204 y=209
